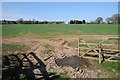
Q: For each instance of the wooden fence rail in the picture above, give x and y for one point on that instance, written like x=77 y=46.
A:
x=97 y=51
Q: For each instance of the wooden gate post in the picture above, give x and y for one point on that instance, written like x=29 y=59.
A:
x=100 y=54
x=100 y=58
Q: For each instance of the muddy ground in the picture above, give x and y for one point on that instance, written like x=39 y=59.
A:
x=64 y=55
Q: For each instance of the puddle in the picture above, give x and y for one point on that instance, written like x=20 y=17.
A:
x=73 y=61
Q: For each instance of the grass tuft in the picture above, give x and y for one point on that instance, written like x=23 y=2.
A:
x=14 y=47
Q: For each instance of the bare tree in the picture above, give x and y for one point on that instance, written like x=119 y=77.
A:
x=99 y=20
x=109 y=20
x=115 y=18
x=20 y=20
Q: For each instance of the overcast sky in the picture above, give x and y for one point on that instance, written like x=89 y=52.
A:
x=58 y=10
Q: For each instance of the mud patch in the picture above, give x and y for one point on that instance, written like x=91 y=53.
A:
x=73 y=61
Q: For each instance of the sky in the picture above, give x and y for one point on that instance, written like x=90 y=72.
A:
x=60 y=0
x=58 y=11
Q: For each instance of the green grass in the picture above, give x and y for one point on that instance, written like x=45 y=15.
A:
x=73 y=44
x=49 y=47
x=14 y=47
x=113 y=67
x=53 y=30
x=63 y=76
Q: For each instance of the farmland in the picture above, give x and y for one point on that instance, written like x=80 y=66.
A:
x=53 y=30
x=22 y=37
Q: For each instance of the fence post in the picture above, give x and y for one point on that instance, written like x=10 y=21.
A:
x=100 y=54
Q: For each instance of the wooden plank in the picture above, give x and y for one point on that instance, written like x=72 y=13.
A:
x=114 y=56
x=112 y=50
x=98 y=59
x=93 y=54
x=83 y=48
x=90 y=50
x=117 y=54
x=111 y=55
x=105 y=49
x=112 y=60
x=90 y=57
x=113 y=38
x=88 y=43
x=87 y=48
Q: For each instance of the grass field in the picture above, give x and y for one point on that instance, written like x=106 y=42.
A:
x=56 y=30
x=53 y=30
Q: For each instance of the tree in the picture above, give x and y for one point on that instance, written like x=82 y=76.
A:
x=83 y=22
x=77 y=22
x=36 y=22
x=92 y=22
x=71 y=22
x=20 y=20
x=109 y=20
x=33 y=21
x=115 y=18
x=4 y=20
x=45 y=22
x=29 y=21
x=99 y=20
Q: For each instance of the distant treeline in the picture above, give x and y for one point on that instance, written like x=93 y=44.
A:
x=21 y=21
x=77 y=22
x=30 y=22
x=114 y=19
